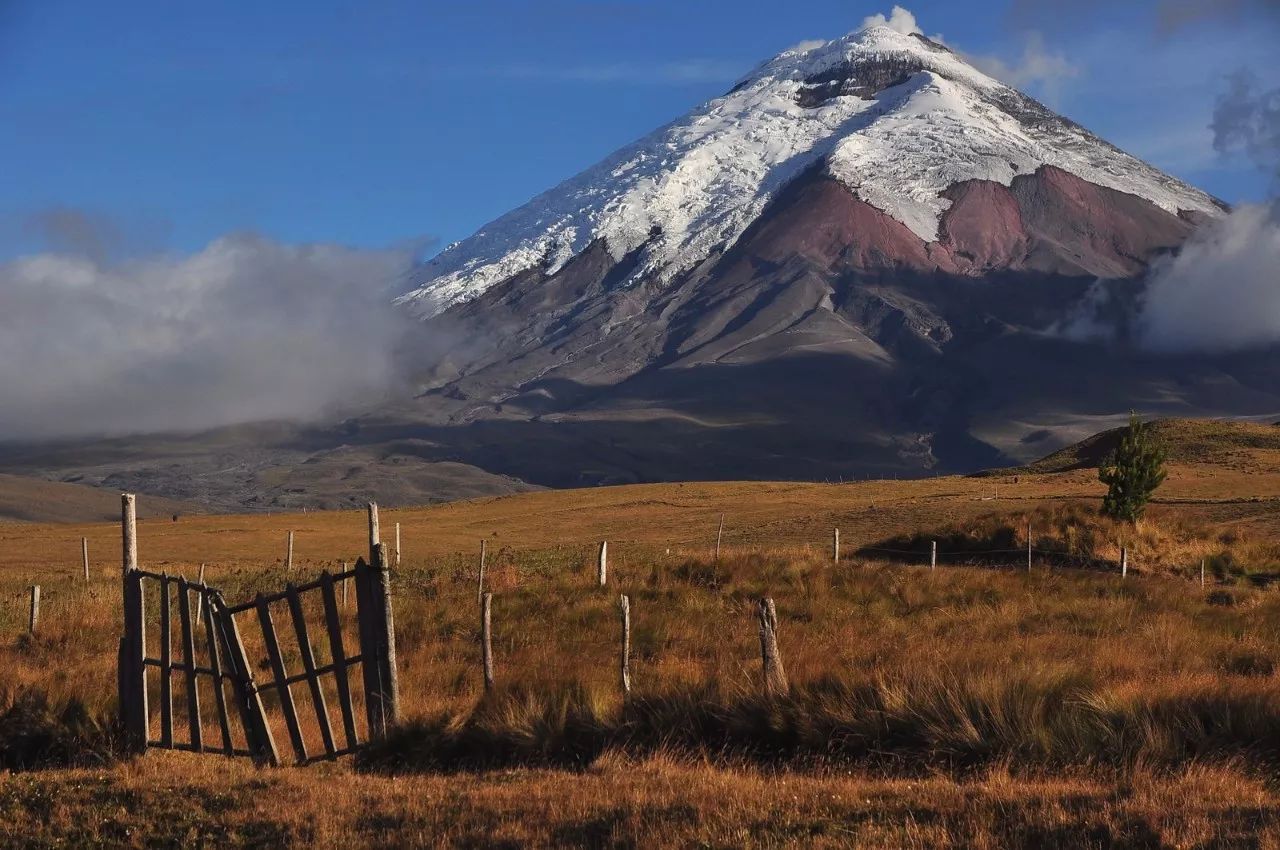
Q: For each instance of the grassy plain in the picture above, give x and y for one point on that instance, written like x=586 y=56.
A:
x=978 y=705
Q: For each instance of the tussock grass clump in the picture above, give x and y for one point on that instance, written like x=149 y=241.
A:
x=912 y=724
x=36 y=734
x=561 y=727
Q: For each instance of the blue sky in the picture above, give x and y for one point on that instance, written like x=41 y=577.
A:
x=169 y=124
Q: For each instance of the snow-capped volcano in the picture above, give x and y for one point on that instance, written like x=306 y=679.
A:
x=896 y=118
x=849 y=264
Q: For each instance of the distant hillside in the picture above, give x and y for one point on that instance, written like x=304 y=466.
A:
x=34 y=500
x=1240 y=446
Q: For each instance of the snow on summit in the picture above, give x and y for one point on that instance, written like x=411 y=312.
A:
x=894 y=116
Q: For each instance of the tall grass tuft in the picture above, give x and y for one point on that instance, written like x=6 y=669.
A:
x=35 y=734
x=911 y=724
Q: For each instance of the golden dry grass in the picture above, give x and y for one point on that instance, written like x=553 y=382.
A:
x=169 y=800
x=1056 y=708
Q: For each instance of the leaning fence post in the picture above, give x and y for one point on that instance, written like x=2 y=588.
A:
x=624 y=671
x=486 y=638
x=345 y=586
x=835 y=547
x=1124 y=562
x=84 y=556
x=288 y=555
x=775 y=677
x=132 y=672
x=933 y=555
x=719 y=536
x=480 y=576
x=35 y=609
x=602 y=564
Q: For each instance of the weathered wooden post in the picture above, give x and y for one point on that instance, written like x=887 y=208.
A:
x=375 y=534
x=624 y=670
x=1202 y=573
x=480 y=575
x=835 y=547
x=397 y=545
x=1124 y=562
x=132 y=672
x=719 y=537
x=200 y=595
x=288 y=555
x=391 y=678
x=35 y=609
x=84 y=556
x=346 y=585
x=775 y=676
x=486 y=638
x=1028 y=545
x=602 y=564
x=378 y=642
x=933 y=555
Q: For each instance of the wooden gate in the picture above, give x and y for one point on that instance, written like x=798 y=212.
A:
x=215 y=659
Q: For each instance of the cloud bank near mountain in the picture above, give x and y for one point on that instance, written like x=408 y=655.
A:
x=1222 y=292
x=246 y=329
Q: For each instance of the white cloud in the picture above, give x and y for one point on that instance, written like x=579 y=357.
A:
x=807 y=45
x=245 y=329
x=899 y=19
x=1220 y=293
x=1039 y=68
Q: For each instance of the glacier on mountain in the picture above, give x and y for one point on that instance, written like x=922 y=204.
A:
x=896 y=117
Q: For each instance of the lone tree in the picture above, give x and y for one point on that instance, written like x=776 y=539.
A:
x=1132 y=472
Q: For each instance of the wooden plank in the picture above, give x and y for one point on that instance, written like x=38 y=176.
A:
x=282 y=687
x=253 y=718
x=166 y=666
x=368 y=650
x=189 y=655
x=309 y=665
x=338 y=653
x=215 y=663
x=281 y=596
